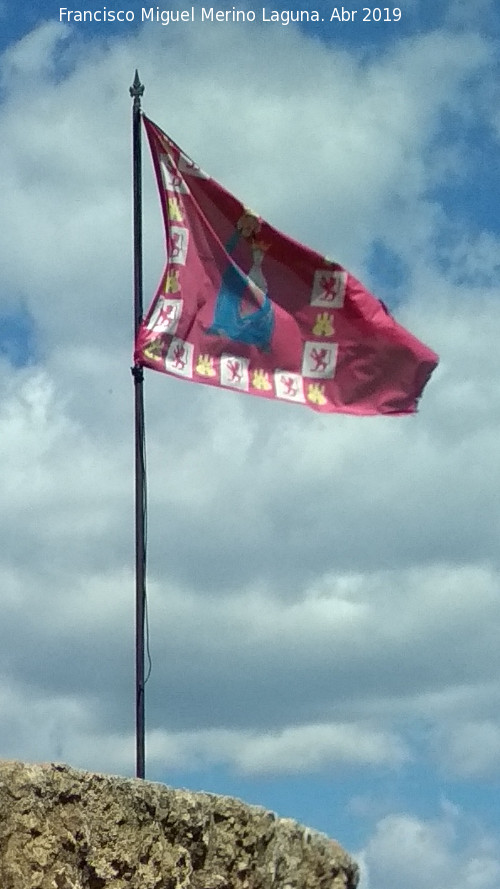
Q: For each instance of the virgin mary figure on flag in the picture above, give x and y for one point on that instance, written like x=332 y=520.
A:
x=243 y=310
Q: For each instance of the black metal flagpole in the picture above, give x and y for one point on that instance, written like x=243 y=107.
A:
x=136 y=91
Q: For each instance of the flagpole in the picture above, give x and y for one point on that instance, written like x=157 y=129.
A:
x=136 y=91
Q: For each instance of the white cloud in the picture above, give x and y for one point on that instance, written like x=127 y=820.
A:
x=446 y=852
x=33 y=55
x=470 y=748
x=70 y=733
x=310 y=748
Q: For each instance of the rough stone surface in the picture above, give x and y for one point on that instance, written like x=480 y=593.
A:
x=67 y=829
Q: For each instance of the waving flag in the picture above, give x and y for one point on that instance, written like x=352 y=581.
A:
x=244 y=307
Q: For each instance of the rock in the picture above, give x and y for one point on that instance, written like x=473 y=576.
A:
x=66 y=829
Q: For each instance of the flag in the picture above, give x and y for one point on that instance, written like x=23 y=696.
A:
x=243 y=306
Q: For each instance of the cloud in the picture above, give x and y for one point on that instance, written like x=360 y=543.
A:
x=444 y=852
x=470 y=748
x=266 y=675
x=34 y=54
x=309 y=748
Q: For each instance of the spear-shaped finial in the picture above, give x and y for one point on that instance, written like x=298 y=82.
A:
x=137 y=90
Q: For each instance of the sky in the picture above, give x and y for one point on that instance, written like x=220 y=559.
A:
x=323 y=590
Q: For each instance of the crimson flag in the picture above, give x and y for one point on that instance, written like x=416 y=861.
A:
x=244 y=307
